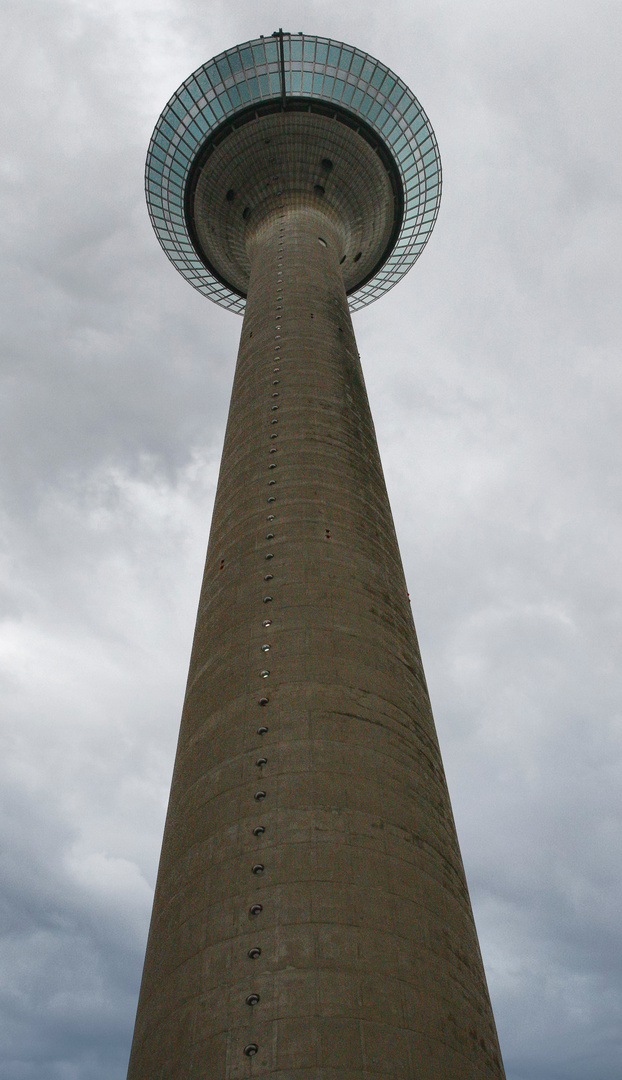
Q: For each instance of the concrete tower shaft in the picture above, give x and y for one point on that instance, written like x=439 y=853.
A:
x=311 y=916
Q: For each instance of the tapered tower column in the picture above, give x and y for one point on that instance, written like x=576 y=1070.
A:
x=311 y=916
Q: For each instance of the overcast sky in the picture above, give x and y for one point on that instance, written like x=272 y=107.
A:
x=495 y=381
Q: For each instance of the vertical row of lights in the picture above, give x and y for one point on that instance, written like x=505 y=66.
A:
x=275 y=358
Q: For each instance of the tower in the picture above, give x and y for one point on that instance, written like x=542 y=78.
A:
x=311 y=915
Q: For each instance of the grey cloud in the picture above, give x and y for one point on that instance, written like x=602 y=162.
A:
x=494 y=375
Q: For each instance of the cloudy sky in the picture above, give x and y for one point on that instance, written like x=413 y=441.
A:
x=495 y=380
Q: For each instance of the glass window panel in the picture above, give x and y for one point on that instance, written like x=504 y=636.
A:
x=374 y=109
x=411 y=172
x=378 y=78
x=406 y=163
x=197 y=130
x=307 y=80
x=367 y=71
x=396 y=94
x=225 y=102
x=339 y=88
x=259 y=54
x=271 y=51
x=175 y=112
x=425 y=145
x=264 y=86
x=347 y=94
x=208 y=115
x=194 y=89
x=412 y=114
x=296 y=82
x=223 y=68
x=275 y=83
x=247 y=58
x=317 y=84
x=244 y=92
x=203 y=81
x=213 y=75
x=234 y=96
x=357 y=97
x=366 y=104
x=357 y=64
x=253 y=86
x=296 y=48
x=328 y=87
x=187 y=146
x=309 y=49
x=166 y=129
x=333 y=54
x=234 y=61
x=321 y=52
x=203 y=122
x=346 y=58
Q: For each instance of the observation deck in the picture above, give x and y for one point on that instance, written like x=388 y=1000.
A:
x=293 y=118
